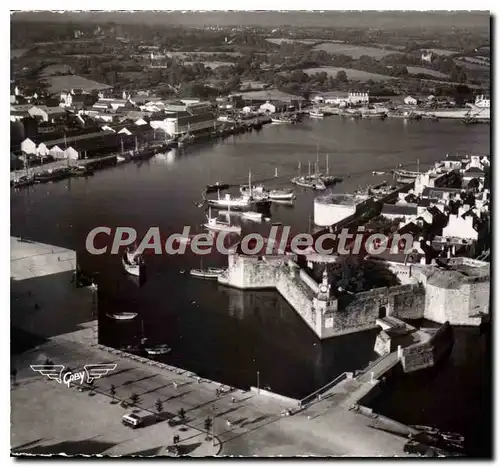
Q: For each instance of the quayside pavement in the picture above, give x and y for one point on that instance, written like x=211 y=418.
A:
x=50 y=417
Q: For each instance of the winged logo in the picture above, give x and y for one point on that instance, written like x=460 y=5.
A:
x=97 y=370
x=50 y=371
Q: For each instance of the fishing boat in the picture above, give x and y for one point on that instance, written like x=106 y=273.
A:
x=217 y=186
x=23 y=181
x=123 y=316
x=375 y=172
x=257 y=192
x=214 y=224
x=52 y=175
x=133 y=266
x=283 y=195
x=281 y=119
x=206 y=273
x=410 y=115
x=252 y=215
x=316 y=113
x=228 y=201
x=120 y=159
x=160 y=349
x=406 y=175
x=81 y=171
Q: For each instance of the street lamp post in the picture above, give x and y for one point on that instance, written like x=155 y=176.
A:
x=258 y=382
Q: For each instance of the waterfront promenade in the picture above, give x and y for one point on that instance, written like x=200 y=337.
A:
x=49 y=417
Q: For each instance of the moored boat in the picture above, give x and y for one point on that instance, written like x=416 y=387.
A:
x=284 y=195
x=218 y=185
x=123 y=316
x=316 y=114
x=161 y=349
x=213 y=223
x=252 y=215
x=133 y=266
x=228 y=201
x=206 y=273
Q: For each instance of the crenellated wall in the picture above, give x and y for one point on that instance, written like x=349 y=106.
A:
x=330 y=316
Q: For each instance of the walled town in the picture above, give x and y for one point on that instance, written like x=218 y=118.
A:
x=269 y=109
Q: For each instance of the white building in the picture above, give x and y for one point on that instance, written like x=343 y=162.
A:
x=56 y=152
x=427 y=56
x=47 y=114
x=461 y=225
x=356 y=98
x=28 y=146
x=483 y=102
x=331 y=209
x=409 y=100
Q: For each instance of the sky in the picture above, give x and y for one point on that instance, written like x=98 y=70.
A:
x=359 y=19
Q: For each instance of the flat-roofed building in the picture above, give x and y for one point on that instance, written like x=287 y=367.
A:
x=333 y=208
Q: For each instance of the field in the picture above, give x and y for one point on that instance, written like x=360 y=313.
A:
x=302 y=41
x=17 y=53
x=354 y=51
x=472 y=65
x=415 y=70
x=50 y=70
x=354 y=75
x=443 y=51
x=56 y=84
x=212 y=65
x=188 y=55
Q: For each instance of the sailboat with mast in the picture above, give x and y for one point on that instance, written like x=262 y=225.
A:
x=407 y=175
x=214 y=224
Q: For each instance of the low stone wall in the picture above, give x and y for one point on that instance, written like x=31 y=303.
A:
x=273 y=395
x=427 y=354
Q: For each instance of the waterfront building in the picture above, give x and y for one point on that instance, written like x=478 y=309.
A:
x=409 y=100
x=482 y=101
x=461 y=225
x=47 y=114
x=18 y=112
x=333 y=208
x=273 y=107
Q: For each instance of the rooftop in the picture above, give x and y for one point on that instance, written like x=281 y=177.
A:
x=400 y=209
x=345 y=199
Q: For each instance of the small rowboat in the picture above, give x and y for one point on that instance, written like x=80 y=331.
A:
x=121 y=316
x=158 y=350
x=252 y=215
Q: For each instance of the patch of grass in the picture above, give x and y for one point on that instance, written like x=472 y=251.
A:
x=354 y=51
x=354 y=75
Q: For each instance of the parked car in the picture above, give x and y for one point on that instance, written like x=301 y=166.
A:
x=133 y=420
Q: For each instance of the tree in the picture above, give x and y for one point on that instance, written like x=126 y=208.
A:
x=159 y=406
x=341 y=76
x=134 y=398
x=473 y=185
x=182 y=413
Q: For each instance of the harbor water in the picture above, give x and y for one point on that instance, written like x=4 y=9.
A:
x=240 y=338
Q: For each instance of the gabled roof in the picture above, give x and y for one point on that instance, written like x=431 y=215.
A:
x=474 y=170
x=400 y=209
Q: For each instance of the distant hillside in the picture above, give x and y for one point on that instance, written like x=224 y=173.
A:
x=345 y=19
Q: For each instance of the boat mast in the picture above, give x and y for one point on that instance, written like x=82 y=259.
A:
x=136 y=144
x=276 y=171
x=299 y=168
x=121 y=144
x=418 y=166
x=327 y=169
x=250 y=182
x=309 y=168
